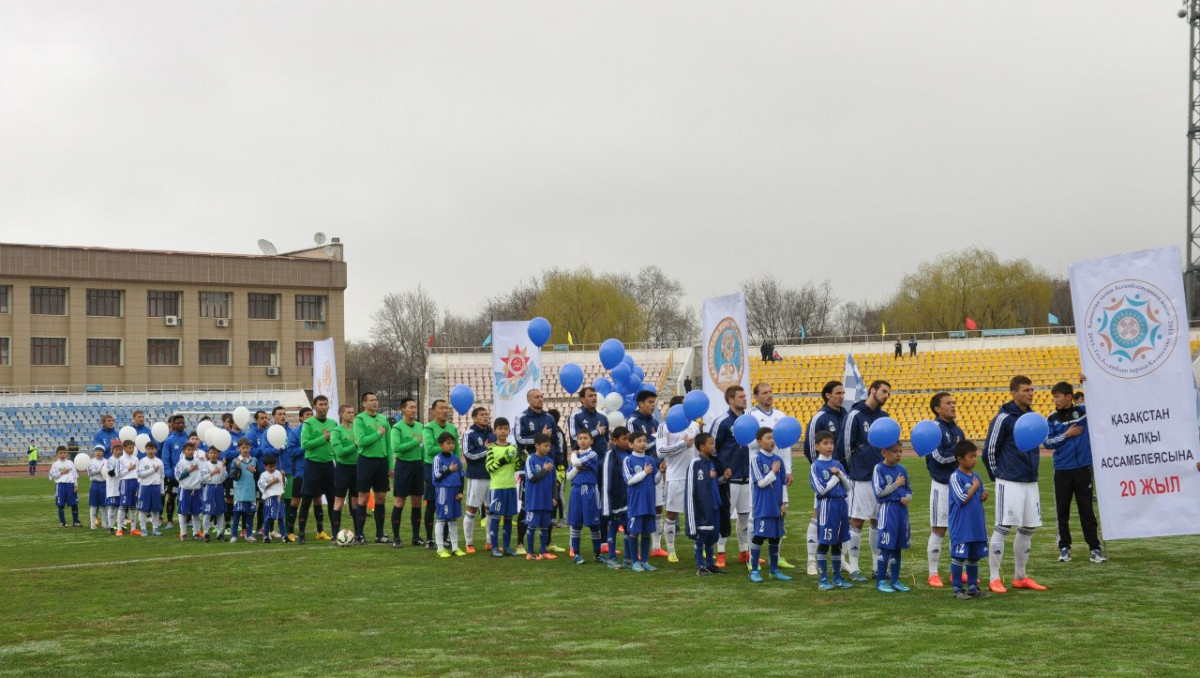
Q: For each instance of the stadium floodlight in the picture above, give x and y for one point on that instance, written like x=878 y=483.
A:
x=319 y=238
x=267 y=248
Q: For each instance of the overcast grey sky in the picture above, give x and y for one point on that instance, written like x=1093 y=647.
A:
x=466 y=145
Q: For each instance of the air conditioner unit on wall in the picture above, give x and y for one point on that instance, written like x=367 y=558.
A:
x=272 y=371
x=172 y=321
x=222 y=322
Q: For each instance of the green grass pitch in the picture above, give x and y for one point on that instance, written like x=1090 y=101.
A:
x=78 y=602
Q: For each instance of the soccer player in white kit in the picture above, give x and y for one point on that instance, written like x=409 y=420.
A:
x=676 y=450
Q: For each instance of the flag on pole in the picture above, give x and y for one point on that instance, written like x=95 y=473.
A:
x=971 y=324
x=882 y=327
x=1051 y=318
x=488 y=341
x=430 y=342
x=852 y=381
x=570 y=341
x=803 y=334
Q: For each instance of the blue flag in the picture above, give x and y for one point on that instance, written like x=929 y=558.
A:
x=488 y=341
x=803 y=334
x=852 y=381
x=1051 y=318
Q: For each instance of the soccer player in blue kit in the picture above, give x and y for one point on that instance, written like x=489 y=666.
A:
x=893 y=493
x=968 y=526
x=767 y=504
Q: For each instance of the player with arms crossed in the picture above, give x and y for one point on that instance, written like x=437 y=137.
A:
x=941 y=463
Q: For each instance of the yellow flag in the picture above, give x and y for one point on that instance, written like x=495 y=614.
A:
x=570 y=341
x=883 y=326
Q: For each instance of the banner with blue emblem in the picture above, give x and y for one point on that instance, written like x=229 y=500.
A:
x=516 y=369
x=726 y=361
x=1132 y=329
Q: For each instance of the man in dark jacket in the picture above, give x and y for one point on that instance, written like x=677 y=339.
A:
x=1072 y=471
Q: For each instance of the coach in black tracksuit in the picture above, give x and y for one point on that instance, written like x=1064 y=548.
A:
x=1072 y=470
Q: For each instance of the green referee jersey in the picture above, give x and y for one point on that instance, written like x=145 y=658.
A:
x=312 y=439
x=432 y=448
x=372 y=443
x=345 y=450
x=405 y=445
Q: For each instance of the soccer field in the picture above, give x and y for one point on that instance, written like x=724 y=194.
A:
x=78 y=602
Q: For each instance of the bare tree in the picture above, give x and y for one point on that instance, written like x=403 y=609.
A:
x=777 y=312
x=457 y=330
x=403 y=325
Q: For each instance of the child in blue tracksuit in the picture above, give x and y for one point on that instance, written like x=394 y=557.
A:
x=704 y=503
x=242 y=470
x=539 y=497
x=893 y=493
x=830 y=482
x=447 y=476
x=640 y=470
x=614 y=493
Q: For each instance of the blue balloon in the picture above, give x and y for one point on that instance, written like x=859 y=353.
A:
x=629 y=406
x=744 y=429
x=650 y=387
x=628 y=360
x=619 y=387
x=611 y=353
x=883 y=433
x=677 y=420
x=620 y=375
x=925 y=437
x=633 y=384
x=539 y=331
x=1030 y=431
x=637 y=369
x=602 y=386
x=461 y=398
x=571 y=376
x=695 y=404
x=787 y=432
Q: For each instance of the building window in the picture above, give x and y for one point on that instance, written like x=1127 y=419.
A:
x=48 y=300
x=310 y=307
x=214 y=304
x=162 y=351
x=304 y=354
x=263 y=306
x=5 y=293
x=4 y=354
x=214 y=352
x=104 y=303
x=263 y=354
x=48 y=351
x=104 y=352
x=160 y=303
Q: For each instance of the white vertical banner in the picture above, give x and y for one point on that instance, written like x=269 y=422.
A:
x=1131 y=324
x=325 y=379
x=516 y=369
x=726 y=363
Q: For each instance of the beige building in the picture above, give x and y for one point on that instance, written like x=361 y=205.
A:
x=76 y=319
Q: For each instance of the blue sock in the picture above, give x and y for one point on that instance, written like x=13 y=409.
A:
x=710 y=555
x=630 y=548
x=836 y=565
x=700 y=561
x=645 y=548
x=896 y=564
x=507 y=533
x=494 y=531
x=595 y=529
x=545 y=539
x=773 y=551
x=75 y=514
x=269 y=526
x=576 y=538
x=972 y=574
x=755 y=552
x=612 y=539
x=881 y=565
x=61 y=518
x=823 y=565
x=956 y=570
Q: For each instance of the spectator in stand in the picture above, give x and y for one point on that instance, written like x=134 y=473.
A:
x=899 y=349
x=912 y=347
x=687 y=385
x=768 y=351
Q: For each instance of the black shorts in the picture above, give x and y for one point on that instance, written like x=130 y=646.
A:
x=345 y=480
x=430 y=490
x=318 y=478
x=170 y=486
x=372 y=474
x=409 y=479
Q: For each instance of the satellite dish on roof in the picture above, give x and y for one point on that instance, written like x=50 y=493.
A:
x=267 y=248
x=330 y=250
x=319 y=238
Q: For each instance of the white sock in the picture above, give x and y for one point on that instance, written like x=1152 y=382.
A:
x=121 y=518
x=743 y=531
x=721 y=544
x=1022 y=545
x=850 y=549
x=812 y=541
x=155 y=520
x=439 y=533
x=183 y=525
x=669 y=529
x=92 y=514
x=655 y=540
x=220 y=523
x=454 y=535
x=144 y=519
x=871 y=534
x=108 y=516
x=468 y=528
x=996 y=554
x=934 y=551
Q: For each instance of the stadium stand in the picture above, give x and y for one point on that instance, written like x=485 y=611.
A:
x=53 y=420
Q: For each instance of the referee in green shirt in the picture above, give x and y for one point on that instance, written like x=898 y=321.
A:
x=374 y=465
x=408 y=447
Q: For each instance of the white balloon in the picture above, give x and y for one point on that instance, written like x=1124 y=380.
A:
x=220 y=438
x=613 y=401
x=277 y=436
x=202 y=429
x=160 y=431
x=127 y=433
x=241 y=416
x=615 y=419
x=82 y=461
x=141 y=441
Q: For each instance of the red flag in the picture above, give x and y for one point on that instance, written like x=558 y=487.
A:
x=430 y=342
x=971 y=324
